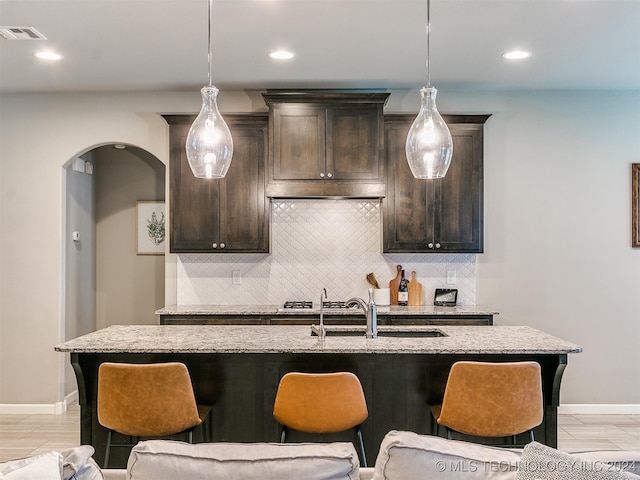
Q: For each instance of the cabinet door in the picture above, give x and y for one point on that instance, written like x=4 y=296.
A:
x=458 y=223
x=408 y=206
x=243 y=208
x=298 y=142
x=194 y=223
x=434 y=216
x=230 y=211
x=353 y=143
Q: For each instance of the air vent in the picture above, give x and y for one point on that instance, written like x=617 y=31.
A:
x=21 y=33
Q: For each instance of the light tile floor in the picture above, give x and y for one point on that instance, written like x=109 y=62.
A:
x=23 y=435
x=598 y=432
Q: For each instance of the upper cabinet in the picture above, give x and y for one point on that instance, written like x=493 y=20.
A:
x=325 y=144
x=435 y=216
x=314 y=145
x=228 y=215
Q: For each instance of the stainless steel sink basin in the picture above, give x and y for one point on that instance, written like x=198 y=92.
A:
x=398 y=333
x=411 y=333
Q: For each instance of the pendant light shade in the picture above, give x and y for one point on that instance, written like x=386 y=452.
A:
x=209 y=145
x=429 y=146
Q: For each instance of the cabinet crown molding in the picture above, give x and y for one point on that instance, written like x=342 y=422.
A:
x=317 y=97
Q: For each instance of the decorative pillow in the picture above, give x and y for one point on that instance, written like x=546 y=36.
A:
x=169 y=460
x=78 y=464
x=540 y=462
x=47 y=466
x=409 y=456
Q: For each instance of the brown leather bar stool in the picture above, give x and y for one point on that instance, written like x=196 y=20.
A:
x=321 y=403
x=147 y=400
x=491 y=400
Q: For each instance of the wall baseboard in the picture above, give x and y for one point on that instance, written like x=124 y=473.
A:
x=599 y=409
x=39 y=408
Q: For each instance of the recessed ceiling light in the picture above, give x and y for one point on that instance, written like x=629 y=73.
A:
x=281 y=55
x=48 y=55
x=516 y=55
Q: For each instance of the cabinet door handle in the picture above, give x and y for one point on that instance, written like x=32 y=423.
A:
x=321 y=174
x=430 y=245
x=438 y=245
x=214 y=245
x=329 y=175
x=222 y=245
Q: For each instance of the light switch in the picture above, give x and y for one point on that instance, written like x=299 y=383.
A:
x=237 y=277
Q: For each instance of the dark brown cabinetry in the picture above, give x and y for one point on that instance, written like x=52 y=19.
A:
x=228 y=215
x=435 y=216
x=325 y=144
x=300 y=319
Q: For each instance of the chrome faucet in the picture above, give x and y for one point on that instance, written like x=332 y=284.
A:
x=371 y=312
x=322 y=331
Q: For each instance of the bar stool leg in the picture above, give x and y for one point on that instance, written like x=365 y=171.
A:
x=361 y=444
x=205 y=430
x=107 y=451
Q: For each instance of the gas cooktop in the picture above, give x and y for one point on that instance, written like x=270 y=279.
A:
x=307 y=304
x=297 y=304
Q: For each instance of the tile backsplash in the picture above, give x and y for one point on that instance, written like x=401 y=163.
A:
x=315 y=244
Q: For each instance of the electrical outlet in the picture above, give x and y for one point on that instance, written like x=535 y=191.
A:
x=451 y=277
x=236 y=277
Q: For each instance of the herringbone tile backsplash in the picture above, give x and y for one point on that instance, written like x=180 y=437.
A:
x=317 y=244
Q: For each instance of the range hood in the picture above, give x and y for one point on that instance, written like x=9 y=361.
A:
x=334 y=191
x=326 y=144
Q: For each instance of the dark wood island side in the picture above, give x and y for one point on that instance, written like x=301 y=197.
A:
x=237 y=369
x=274 y=315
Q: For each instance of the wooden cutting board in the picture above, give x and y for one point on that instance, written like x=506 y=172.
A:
x=415 y=291
x=393 y=286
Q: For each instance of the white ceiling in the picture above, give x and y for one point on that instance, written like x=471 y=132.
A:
x=161 y=45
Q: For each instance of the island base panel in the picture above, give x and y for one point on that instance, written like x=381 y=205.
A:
x=242 y=388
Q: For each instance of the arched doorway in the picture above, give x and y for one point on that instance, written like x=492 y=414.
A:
x=106 y=280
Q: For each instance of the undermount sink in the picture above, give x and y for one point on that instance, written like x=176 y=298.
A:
x=359 y=332
x=411 y=333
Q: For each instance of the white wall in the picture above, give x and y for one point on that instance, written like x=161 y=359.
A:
x=557 y=221
x=558 y=253
x=80 y=260
x=40 y=133
x=129 y=287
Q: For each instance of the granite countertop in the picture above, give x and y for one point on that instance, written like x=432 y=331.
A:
x=278 y=310
x=297 y=339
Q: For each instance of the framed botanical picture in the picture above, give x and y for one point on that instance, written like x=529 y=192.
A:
x=635 y=204
x=150 y=225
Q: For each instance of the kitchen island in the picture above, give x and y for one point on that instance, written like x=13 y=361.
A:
x=237 y=369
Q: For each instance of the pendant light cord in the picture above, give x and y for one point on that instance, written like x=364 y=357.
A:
x=209 y=54
x=428 y=43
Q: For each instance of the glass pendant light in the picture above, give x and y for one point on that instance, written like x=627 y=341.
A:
x=429 y=145
x=209 y=144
